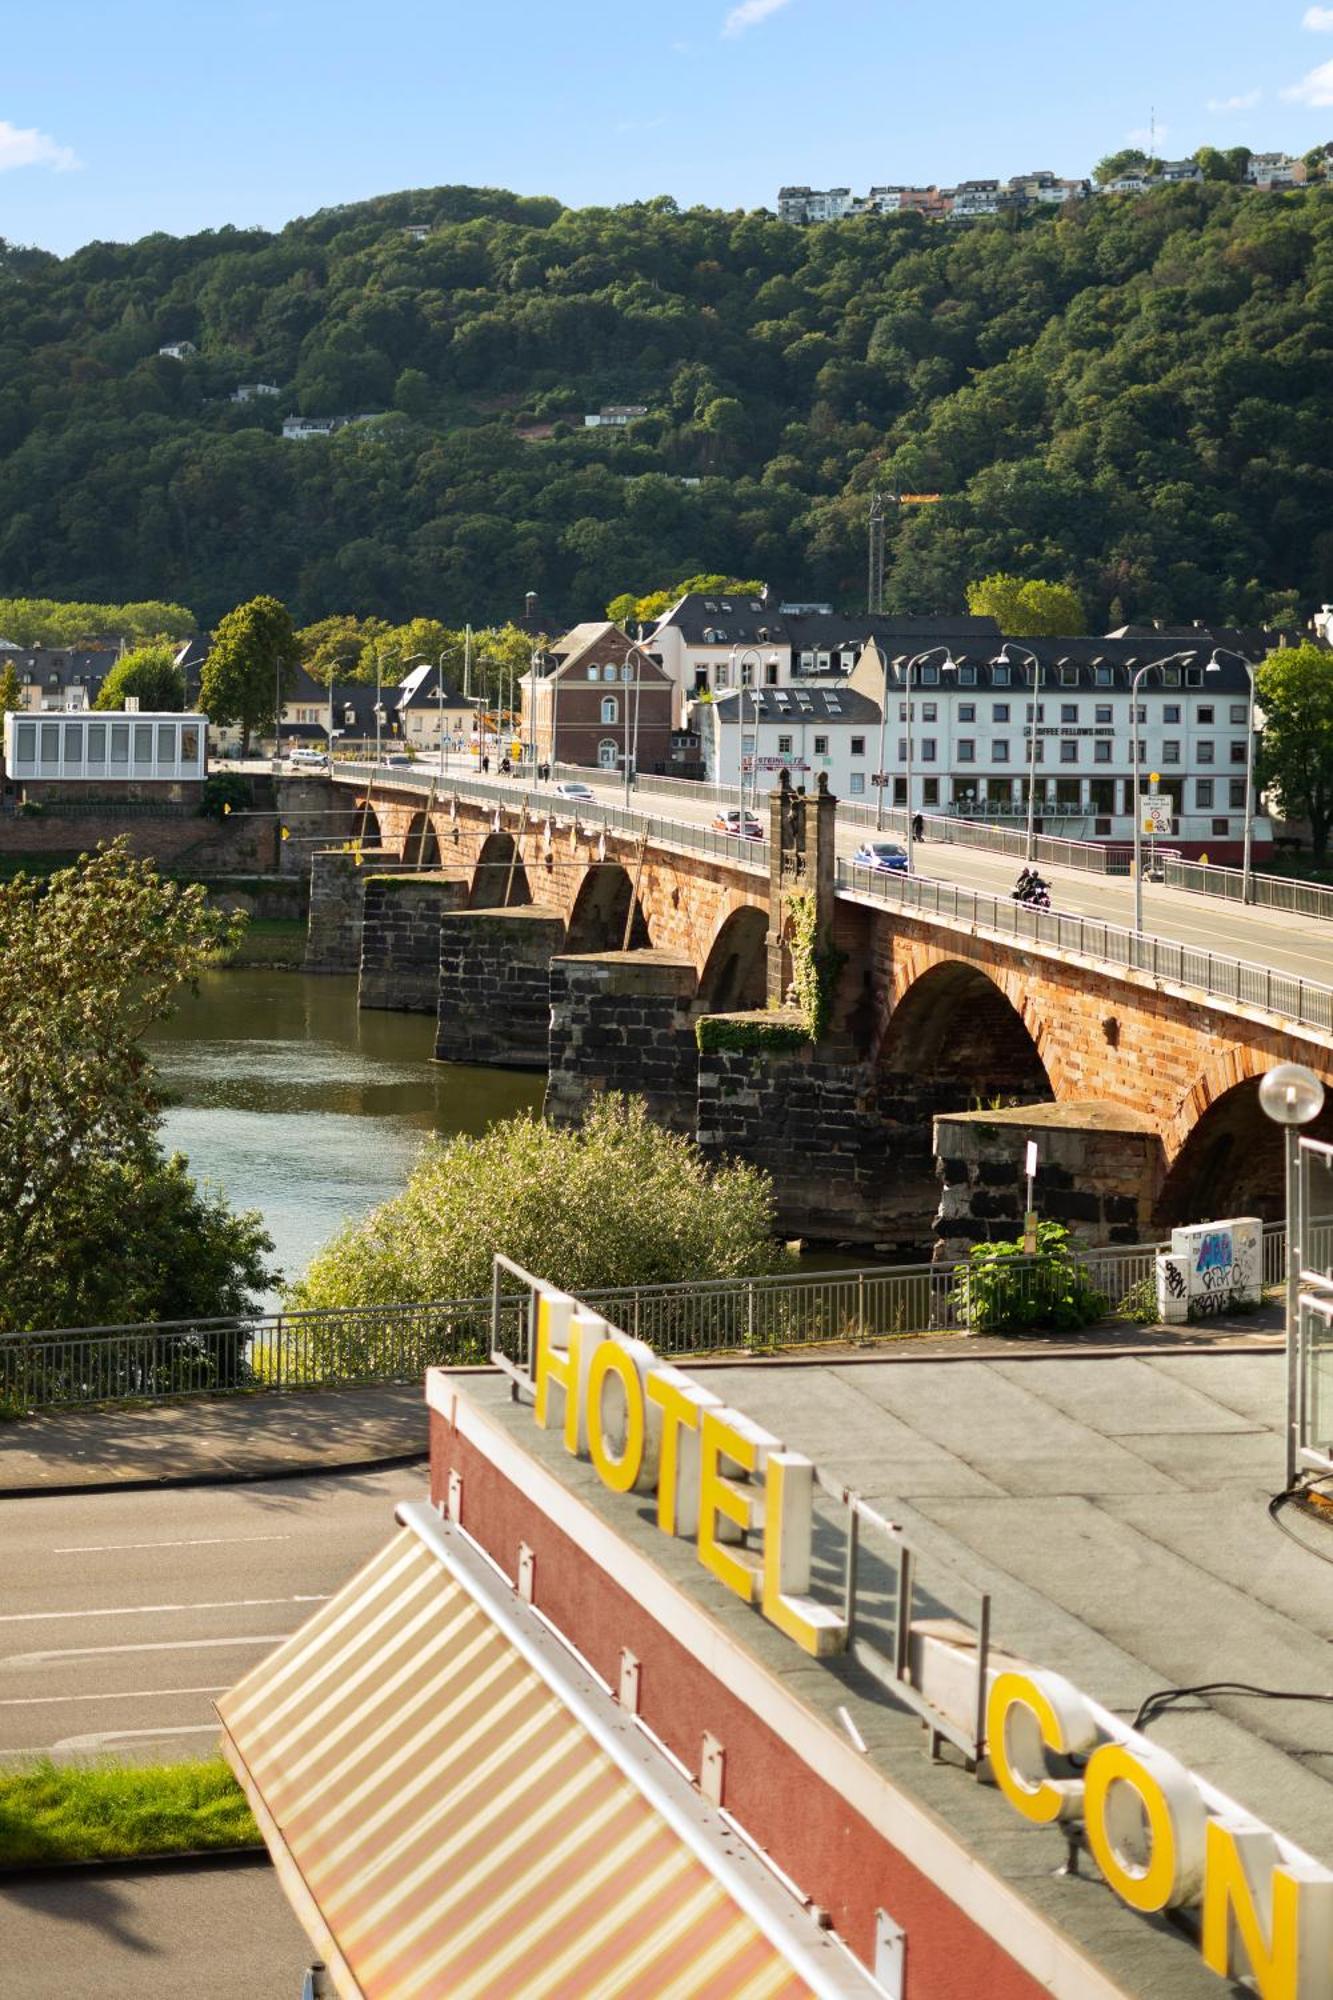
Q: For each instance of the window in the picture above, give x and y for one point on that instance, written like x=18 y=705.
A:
x=967 y=750
x=856 y=781
x=25 y=742
x=1171 y=677
x=929 y=711
x=97 y=744
x=1170 y=712
x=1101 y=752
x=999 y=711
x=927 y=749
x=143 y=746
x=930 y=676
x=1171 y=753
x=594 y=673
x=771 y=673
x=1203 y=753
x=607 y=754
x=1239 y=712
x=610 y=709
x=821 y=746
x=1069 y=750
x=999 y=675
x=1101 y=714
x=1069 y=677
x=967 y=677
x=1236 y=794
x=1203 y=794
x=627 y=671
x=747 y=673
x=120 y=746
x=784 y=746
x=1069 y=711
x=1194 y=677
x=1203 y=715
x=1105 y=677
x=722 y=676
x=930 y=791
x=967 y=711
x=999 y=753
x=902 y=749
x=1141 y=714
x=608 y=673
x=1222 y=826
x=1238 y=753
x=858 y=746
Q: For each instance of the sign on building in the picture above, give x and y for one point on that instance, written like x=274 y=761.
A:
x=1211 y=1267
x=1157 y=813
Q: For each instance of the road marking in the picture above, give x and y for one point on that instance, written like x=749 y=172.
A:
x=157 y=1646
x=198 y=1542
x=145 y=1610
x=131 y=1694
x=120 y=1736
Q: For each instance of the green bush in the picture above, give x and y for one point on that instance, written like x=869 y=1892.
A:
x=1000 y=1289
x=616 y=1201
x=224 y=791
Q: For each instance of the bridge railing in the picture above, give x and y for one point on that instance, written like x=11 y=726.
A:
x=1267 y=892
x=364 y=1346
x=1282 y=994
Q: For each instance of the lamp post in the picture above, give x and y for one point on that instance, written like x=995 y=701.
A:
x=1246 y=871
x=947 y=666
x=883 y=725
x=1148 y=667
x=739 y=657
x=1002 y=659
x=1292 y=1096
x=635 y=649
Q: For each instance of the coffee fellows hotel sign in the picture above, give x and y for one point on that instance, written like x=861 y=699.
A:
x=646 y=1703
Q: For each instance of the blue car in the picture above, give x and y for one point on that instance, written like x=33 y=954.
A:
x=885 y=855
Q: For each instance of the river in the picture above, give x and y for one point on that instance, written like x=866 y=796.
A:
x=288 y=1099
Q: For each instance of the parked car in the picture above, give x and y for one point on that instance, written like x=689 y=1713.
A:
x=307 y=760
x=572 y=789
x=741 y=825
x=888 y=856
x=397 y=761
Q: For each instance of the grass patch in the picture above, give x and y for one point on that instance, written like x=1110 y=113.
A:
x=273 y=941
x=104 y=1812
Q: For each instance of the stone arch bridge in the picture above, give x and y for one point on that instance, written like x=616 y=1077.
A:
x=595 y=952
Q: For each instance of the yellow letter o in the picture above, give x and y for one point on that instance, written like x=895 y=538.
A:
x=1172 y=1811
x=619 y=1473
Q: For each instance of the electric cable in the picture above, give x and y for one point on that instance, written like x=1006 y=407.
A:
x=1157 y=1703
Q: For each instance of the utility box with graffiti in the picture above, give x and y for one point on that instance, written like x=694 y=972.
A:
x=1211 y=1267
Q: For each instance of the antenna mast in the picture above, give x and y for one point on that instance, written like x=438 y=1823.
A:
x=875 y=578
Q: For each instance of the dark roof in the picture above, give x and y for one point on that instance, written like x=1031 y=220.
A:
x=421 y=689
x=747 y=620
x=1119 y=657
x=800 y=702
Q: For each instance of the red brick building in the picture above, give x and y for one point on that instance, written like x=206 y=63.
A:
x=599 y=699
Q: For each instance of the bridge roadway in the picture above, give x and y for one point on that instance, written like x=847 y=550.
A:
x=1299 y=946
x=125 y=1614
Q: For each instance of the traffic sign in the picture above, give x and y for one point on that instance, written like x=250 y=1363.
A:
x=1157 y=814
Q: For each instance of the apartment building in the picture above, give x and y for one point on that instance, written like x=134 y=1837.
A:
x=750 y=736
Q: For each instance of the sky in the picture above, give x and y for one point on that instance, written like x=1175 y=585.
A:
x=123 y=117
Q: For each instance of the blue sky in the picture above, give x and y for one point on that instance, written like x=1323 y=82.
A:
x=126 y=116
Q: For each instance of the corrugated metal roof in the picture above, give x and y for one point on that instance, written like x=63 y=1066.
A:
x=464 y=1819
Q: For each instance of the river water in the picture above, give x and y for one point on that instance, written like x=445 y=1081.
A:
x=289 y=1100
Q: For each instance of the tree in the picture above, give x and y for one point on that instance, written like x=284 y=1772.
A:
x=1027 y=609
x=149 y=674
x=252 y=665
x=1294 y=690
x=11 y=689
x=1129 y=160
x=617 y=1201
x=94 y=1219
x=336 y=649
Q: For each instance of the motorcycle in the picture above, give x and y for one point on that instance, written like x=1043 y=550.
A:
x=1032 y=891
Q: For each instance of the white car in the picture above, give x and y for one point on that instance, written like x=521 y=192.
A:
x=887 y=856
x=581 y=794
x=307 y=760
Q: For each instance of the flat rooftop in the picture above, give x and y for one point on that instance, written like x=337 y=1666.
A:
x=1116 y=1508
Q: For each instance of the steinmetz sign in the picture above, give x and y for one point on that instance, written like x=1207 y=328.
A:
x=1162 y=1840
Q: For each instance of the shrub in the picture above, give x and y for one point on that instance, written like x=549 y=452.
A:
x=224 y=791
x=1000 y=1289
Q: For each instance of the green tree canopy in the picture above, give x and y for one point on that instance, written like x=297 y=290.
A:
x=11 y=689
x=1129 y=160
x=1294 y=690
x=251 y=667
x=649 y=607
x=150 y=675
x=1025 y=609
x=337 y=648
x=46 y=621
x=617 y=1201
x=94 y=1219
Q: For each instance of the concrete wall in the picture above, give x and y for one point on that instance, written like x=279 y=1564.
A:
x=337 y=910
x=1098 y=1172
x=495 y=986
x=400 y=939
x=623 y=1021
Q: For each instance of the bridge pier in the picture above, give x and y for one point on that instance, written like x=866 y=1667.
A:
x=400 y=939
x=623 y=1021
x=1099 y=1172
x=495 y=985
x=337 y=906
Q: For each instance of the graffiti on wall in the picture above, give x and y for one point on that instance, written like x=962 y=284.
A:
x=1211 y=1268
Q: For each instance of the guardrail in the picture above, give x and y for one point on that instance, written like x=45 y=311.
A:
x=364 y=1346
x=1267 y=892
x=1282 y=994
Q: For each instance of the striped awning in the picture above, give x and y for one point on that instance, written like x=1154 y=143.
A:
x=458 y=1808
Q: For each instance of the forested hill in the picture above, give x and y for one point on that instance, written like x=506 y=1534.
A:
x=1134 y=395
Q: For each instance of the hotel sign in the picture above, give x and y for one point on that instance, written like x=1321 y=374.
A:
x=1163 y=1839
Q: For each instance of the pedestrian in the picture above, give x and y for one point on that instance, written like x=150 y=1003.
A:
x=918 y=827
x=485 y=767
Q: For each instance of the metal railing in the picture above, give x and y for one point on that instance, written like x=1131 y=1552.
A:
x=1090 y=857
x=365 y=1346
x=1267 y=892
x=1286 y=996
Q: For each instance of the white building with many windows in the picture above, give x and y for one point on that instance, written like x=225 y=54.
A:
x=751 y=735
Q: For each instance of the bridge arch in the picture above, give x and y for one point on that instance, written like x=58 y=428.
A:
x=735 y=973
x=366 y=827
x=421 y=847
x=1226 y=1155
x=601 y=906
x=954 y=1023
x=499 y=880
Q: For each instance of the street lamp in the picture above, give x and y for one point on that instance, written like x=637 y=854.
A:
x=739 y=656
x=1002 y=659
x=1246 y=881
x=883 y=725
x=632 y=754
x=1148 y=667
x=1292 y=1096
x=947 y=666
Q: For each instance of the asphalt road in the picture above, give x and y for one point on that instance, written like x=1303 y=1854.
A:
x=1301 y=946
x=124 y=1615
